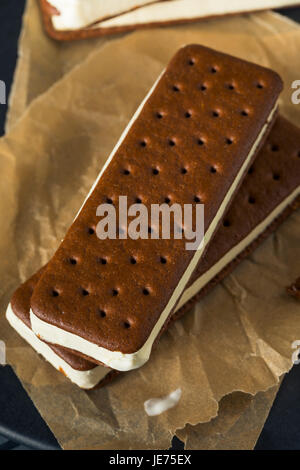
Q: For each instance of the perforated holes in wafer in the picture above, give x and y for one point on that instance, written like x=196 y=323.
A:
x=102 y=313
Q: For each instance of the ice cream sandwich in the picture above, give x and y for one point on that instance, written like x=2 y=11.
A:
x=192 y=140
x=79 y=19
x=274 y=182
x=78 y=14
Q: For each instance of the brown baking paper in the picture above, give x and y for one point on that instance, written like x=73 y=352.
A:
x=236 y=339
x=249 y=412
x=42 y=61
x=237 y=427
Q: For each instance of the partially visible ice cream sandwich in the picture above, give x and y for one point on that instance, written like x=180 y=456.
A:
x=68 y=20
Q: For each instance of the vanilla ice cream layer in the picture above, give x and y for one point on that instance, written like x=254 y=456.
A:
x=77 y=14
x=84 y=379
x=175 y=10
x=116 y=359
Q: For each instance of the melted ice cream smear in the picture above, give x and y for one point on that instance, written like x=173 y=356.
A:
x=156 y=406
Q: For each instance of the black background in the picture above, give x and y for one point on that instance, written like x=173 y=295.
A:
x=20 y=424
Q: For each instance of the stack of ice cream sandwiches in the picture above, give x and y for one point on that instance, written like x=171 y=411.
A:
x=207 y=134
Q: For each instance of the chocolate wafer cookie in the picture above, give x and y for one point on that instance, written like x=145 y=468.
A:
x=69 y=21
x=192 y=139
x=277 y=164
